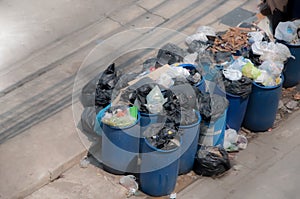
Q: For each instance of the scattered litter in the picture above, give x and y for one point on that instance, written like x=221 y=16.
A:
x=234 y=141
x=129 y=182
x=211 y=161
x=292 y=105
x=84 y=162
x=173 y=196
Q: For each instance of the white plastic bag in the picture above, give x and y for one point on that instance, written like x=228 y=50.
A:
x=286 y=31
x=232 y=74
x=165 y=80
x=155 y=101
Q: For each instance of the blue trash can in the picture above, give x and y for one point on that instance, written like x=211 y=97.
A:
x=190 y=137
x=291 y=69
x=236 y=111
x=212 y=133
x=262 y=107
x=120 y=148
x=158 y=169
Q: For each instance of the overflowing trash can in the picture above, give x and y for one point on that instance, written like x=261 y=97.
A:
x=262 y=107
x=291 y=69
x=190 y=137
x=212 y=133
x=159 y=169
x=120 y=146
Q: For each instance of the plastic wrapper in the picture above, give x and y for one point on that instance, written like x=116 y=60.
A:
x=273 y=68
x=170 y=54
x=249 y=70
x=211 y=106
x=234 y=141
x=266 y=79
x=271 y=51
x=241 y=87
x=238 y=64
x=120 y=116
x=164 y=136
x=211 y=161
x=165 y=80
x=232 y=74
x=155 y=101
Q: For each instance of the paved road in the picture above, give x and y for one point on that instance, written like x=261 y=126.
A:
x=29 y=26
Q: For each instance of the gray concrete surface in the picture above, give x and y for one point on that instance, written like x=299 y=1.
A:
x=268 y=168
x=38 y=135
x=29 y=28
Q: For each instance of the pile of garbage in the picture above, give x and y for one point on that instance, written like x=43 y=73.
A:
x=169 y=87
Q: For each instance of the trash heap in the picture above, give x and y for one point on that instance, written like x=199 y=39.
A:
x=210 y=87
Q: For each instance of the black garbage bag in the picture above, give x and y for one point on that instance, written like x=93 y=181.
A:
x=136 y=94
x=211 y=161
x=181 y=103
x=164 y=136
x=211 y=106
x=108 y=78
x=221 y=57
x=170 y=54
x=87 y=121
x=123 y=81
x=197 y=46
x=242 y=87
x=87 y=96
x=150 y=63
x=105 y=85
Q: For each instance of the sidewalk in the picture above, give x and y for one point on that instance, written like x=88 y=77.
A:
x=268 y=168
x=39 y=140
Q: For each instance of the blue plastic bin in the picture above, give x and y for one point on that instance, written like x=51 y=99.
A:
x=159 y=169
x=262 y=107
x=291 y=69
x=212 y=133
x=236 y=111
x=98 y=128
x=190 y=137
x=120 y=148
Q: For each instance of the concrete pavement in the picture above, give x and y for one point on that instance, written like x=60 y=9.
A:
x=38 y=136
x=268 y=168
